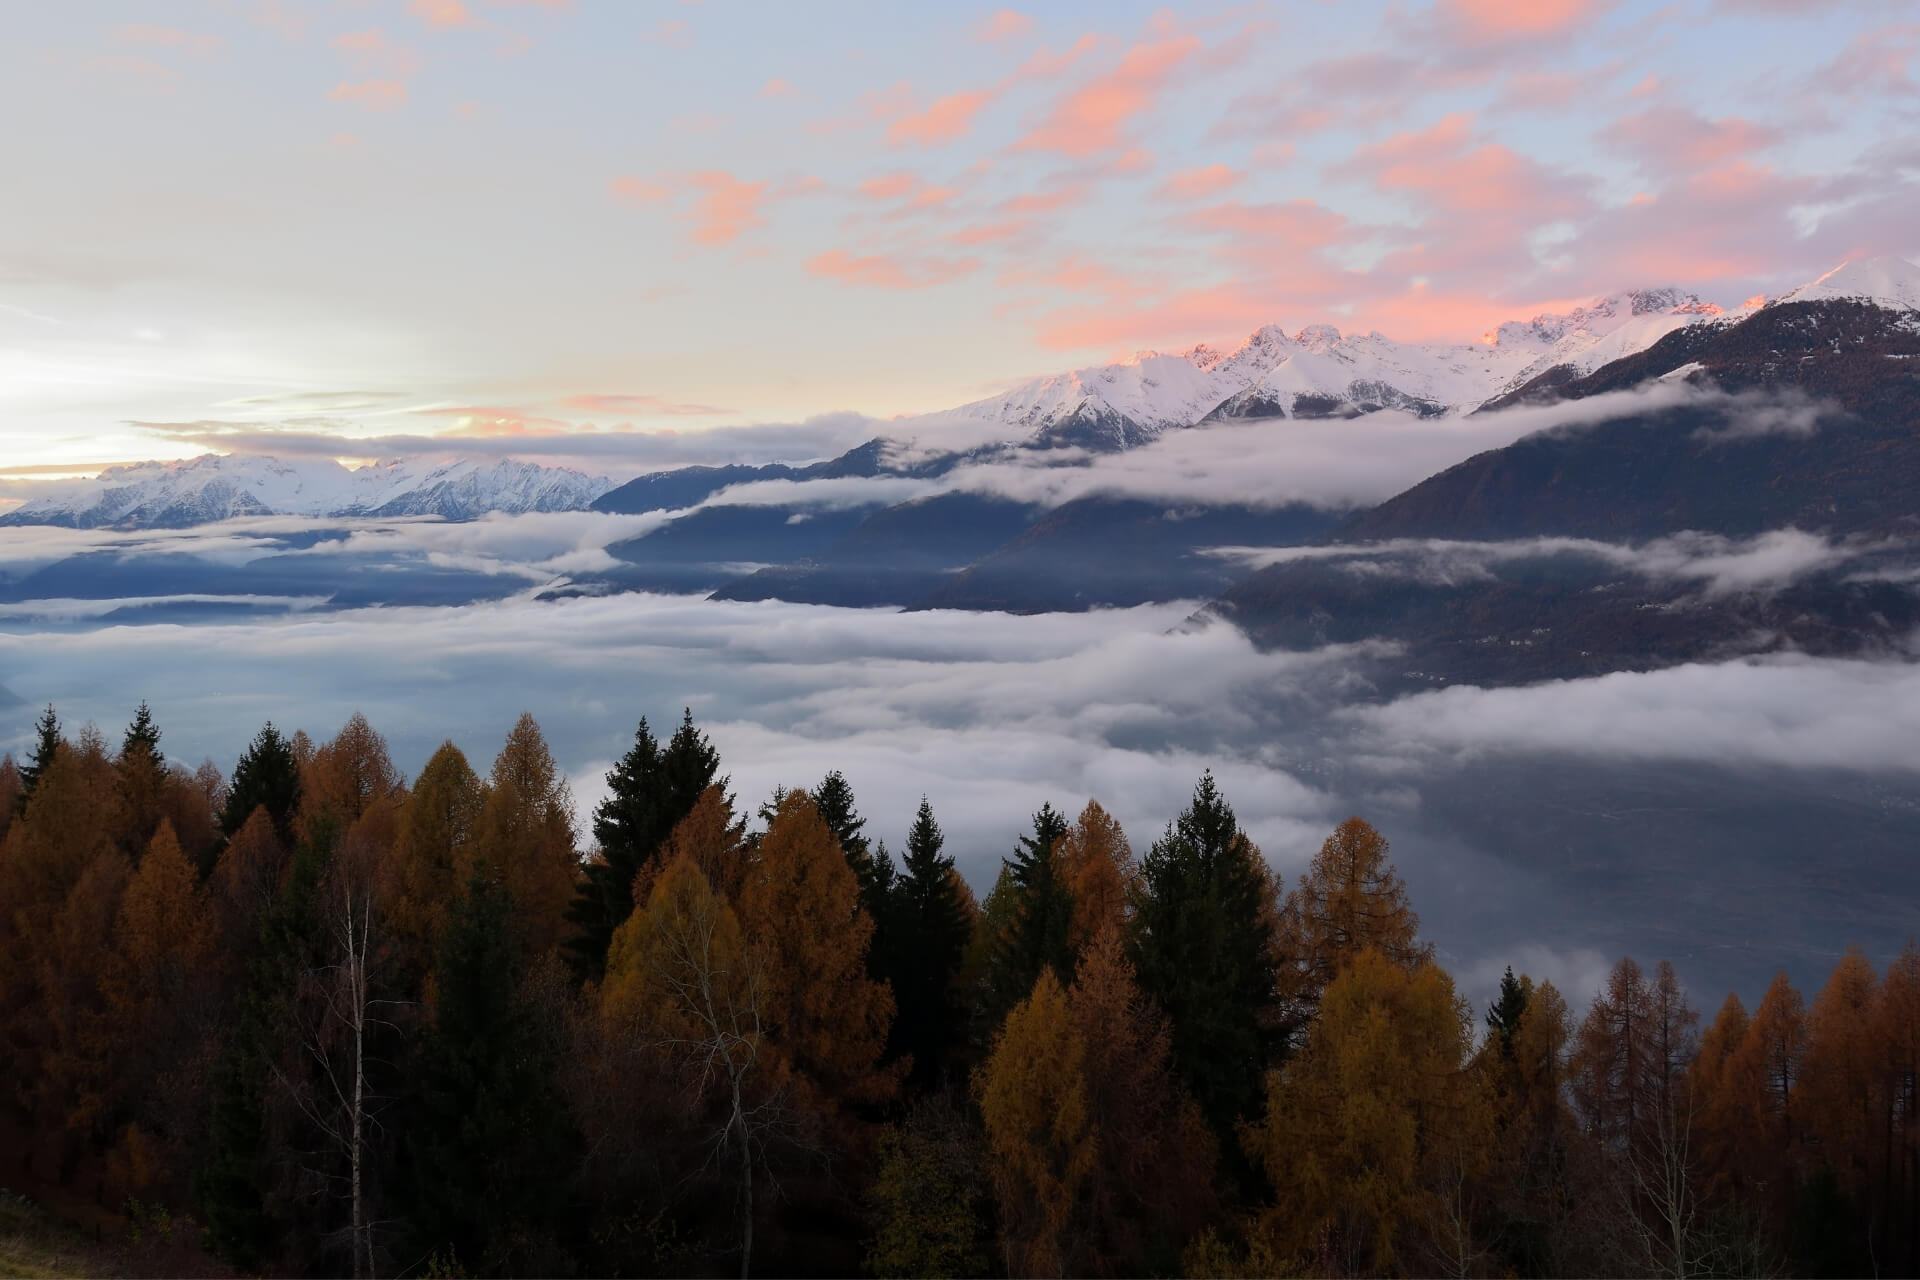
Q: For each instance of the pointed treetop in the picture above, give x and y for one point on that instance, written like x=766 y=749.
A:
x=145 y=734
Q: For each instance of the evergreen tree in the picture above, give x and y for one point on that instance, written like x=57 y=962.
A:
x=933 y=923
x=144 y=735
x=268 y=774
x=648 y=792
x=141 y=784
x=492 y=1149
x=1203 y=948
x=1041 y=935
x=834 y=799
x=233 y=1184
x=1503 y=1019
x=46 y=744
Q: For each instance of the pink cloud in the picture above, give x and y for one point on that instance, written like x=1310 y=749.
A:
x=777 y=87
x=440 y=14
x=1197 y=184
x=890 y=187
x=1446 y=167
x=637 y=191
x=373 y=55
x=728 y=207
x=1050 y=201
x=1874 y=62
x=988 y=232
x=1484 y=22
x=1094 y=117
x=948 y=118
x=374 y=95
x=1046 y=64
x=1288 y=227
x=1004 y=24
x=1677 y=140
x=491 y=422
x=882 y=271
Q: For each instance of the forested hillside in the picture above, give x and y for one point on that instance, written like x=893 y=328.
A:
x=318 y=1018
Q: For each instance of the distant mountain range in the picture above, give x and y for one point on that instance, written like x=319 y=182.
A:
x=1773 y=506
x=1312 y=372
x=176 y=495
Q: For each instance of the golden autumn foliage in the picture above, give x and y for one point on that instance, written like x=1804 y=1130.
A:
x=801 y=908
x=713 y=839
x=1096 y=862
x=680 y=953
x=1840 y=1071
x=1374 y=1126
x=1042 y=1151
x=346 y=780
x=1153 y=1184
x=1350 y=900
x=432 y=852
x=524 y=834
x=247 y=876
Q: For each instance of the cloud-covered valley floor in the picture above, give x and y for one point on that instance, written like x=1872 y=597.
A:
x=1734 y=817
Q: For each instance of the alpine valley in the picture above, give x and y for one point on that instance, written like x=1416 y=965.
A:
x=1648 y=480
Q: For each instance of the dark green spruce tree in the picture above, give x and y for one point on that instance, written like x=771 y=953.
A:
x=1503 y=1018
x=648 y=791
x=492 y=1151
x=144 y=735
x=234 y=1186
x=266 y=774
x=1040 y=935
x=46 y=743
x=1202 y=950
x=932 y=926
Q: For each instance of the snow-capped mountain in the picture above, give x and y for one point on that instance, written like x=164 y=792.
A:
x=173 y=495
x=1893 y=283
x=1315 y=371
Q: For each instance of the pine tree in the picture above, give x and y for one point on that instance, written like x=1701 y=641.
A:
x=46 y=744
x=233 y=1186
x=1203 y=947
x=834 y=799
x=268 y=774
x=1041 y=936
x=141 y=783
x=144 y=734
x=492 y=1149
x=1503 y=1018
x=933 y=924
x=648 y=792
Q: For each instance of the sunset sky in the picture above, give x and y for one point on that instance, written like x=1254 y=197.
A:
x=389 y=220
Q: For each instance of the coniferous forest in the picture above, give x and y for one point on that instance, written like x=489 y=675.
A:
x=317 y=1018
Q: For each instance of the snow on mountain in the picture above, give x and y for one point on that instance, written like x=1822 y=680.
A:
x=173 y=495
x=1314 y=372
x=1888 y=282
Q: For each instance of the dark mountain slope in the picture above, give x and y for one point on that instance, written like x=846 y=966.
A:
x=1108 y=550
x=1822 y=433
x=895 y=556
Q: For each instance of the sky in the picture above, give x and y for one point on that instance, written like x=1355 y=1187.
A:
x=579 y=223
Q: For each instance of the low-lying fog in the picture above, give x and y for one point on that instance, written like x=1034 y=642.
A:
x=1734 y=817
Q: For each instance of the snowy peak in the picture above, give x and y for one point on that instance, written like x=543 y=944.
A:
x=1313 y=371
x=173 y=495
x=1888 y=282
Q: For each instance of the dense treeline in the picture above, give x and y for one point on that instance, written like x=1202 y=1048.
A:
x=348 y=1023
